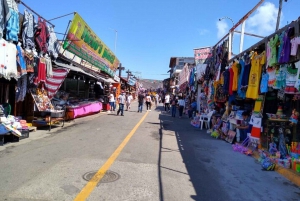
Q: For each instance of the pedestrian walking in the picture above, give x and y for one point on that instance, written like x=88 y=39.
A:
x=122 y=100
x=128 y=101
x=148 y=102
x=112 y=102
x=141 y=98
x=181 y=104
x=173 y=106
x=192 y=109
x=156 y=99
x=167 y=102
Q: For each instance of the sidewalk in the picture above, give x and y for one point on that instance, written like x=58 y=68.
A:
x=217 y=171
x=42 y=132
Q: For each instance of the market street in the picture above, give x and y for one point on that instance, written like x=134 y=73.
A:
x=166 y=159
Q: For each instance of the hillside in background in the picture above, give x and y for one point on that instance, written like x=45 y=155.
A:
x=151 y=84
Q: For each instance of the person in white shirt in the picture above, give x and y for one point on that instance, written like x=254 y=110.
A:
x=128 y=101
x=181 y=104
x=112 y=102
x=122 y=101
x=156 y=99
x=167 y=102
x=148 y=102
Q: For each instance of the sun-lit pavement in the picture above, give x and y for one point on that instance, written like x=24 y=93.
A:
x=166 y=159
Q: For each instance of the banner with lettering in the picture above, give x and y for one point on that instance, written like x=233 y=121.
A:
x=84 y=43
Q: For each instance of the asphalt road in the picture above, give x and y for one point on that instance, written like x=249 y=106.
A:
x=166 y=159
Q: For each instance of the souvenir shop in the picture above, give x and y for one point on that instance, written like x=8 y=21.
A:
x=26 y=68
x=255 y=96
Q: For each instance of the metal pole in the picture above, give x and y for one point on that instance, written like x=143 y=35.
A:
x=242 y=36
x=279 y=14
x=229 y=45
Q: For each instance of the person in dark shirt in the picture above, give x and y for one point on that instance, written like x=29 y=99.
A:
x=141 y=98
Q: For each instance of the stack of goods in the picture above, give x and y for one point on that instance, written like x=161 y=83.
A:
x=295 y=156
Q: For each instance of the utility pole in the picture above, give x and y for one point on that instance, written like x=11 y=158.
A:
x=120 y=68
x=279 y=14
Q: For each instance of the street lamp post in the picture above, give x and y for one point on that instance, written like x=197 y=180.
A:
x=230 y=37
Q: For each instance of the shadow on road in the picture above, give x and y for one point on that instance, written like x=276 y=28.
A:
x=195 y=155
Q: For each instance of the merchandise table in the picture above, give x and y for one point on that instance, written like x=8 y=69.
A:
x=83 y=110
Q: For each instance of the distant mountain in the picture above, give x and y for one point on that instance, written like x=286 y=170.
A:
x=151 y=83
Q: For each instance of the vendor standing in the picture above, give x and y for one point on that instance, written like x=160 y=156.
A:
x=244 y=127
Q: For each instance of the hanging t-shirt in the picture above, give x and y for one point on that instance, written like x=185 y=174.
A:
x=264 y=83
x=280 y=75
x=28 y=30
x=242 y=63
x=294 y=43
x=272 y=78
x=286 y=50
x=10 y=63
x=235 y=76
x=255 y=73
x=226 y=76
x=297 y=84
x=53 y=44
x=273 y=45
x=268 y=53
x=231 y=74
x=12 y=26
x=280 y=47
x=291 y=78
x=21 y=62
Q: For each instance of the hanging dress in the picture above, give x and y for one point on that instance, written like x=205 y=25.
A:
x=255 y=73
x=28 y=30
x=53 y=45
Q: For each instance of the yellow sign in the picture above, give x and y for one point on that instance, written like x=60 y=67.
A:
x=84 y=43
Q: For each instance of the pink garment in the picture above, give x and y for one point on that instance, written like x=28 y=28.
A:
x=295 y=42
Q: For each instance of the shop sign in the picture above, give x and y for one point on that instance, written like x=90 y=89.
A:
x=131 y=81
x=117 y=78
x=84 y=43
x=202 y=55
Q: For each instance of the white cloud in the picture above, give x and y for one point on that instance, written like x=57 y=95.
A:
x=203 y=32
x=263 y=22
x=222 y=28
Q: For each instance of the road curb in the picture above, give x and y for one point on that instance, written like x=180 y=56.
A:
x=289 y=174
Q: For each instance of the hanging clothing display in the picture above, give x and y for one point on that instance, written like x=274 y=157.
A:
x=49 y=67
x=231 y=74
x=12 y=27
x=239 y=89
x=8 y=64
x=21 y=88
x=255 y=73
x=294 y=45
x=21 y=61
x=264 y=83
x=53 y=45
x=226 y=76
x=235 y=76
x=280 y=75
x=53 y=83
x=29 y=60
x=297 y=83
x=42 y=36
x=273 y=45
x=41 y=70
x=291 y=78
x=28 y=30
x=286 y=49
x=4 y=10
x=272 y=77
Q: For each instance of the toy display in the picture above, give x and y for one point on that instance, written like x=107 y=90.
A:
x=294 y=117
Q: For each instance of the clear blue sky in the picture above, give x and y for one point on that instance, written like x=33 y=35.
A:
x=150 y=32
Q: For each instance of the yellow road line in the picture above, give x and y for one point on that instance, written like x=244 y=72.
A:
x=89 y=187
